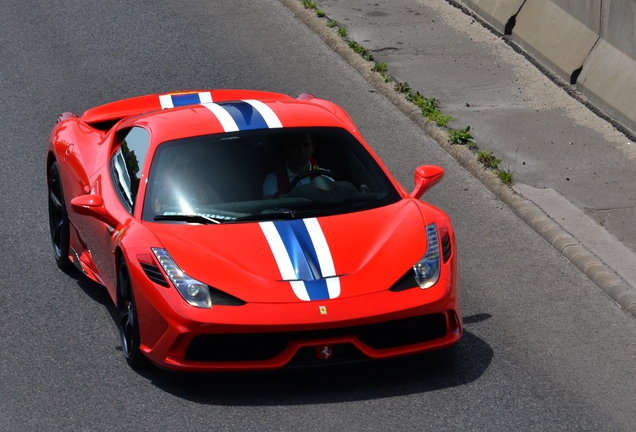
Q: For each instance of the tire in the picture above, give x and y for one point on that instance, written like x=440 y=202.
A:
x=127 y=322
x=58 y=219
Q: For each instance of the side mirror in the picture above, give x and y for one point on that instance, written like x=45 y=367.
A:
x=426 y=176
x=92 y=205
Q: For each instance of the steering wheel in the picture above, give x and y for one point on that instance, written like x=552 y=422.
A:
x=318 y=172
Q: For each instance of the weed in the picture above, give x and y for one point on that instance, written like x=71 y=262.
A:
x=460 y=136
x=379 y=67
x=505 y=177
x=320 y=13
x=331 y=23
x=309 y=4
x=342 y=32
x=430 y=109
x=355 y=46
x=416 y=98
x=403 y=87
x=489 y=160
x=382 y=70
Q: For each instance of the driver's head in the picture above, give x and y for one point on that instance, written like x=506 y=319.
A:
x=298 y=148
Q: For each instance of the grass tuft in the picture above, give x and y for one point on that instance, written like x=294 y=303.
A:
x=460 y=136
x=356 y=47
x=308 y=4
x=488 y=159
x=505 y=177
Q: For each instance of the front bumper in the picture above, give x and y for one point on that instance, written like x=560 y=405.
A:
x=261 y=336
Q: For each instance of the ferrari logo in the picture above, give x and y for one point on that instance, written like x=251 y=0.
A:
x=324 y=352
x=323 y=310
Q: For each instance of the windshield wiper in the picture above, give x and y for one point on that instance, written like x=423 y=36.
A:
x=187 y=218
x=286 y=214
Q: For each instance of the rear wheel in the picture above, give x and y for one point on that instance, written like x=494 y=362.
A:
x=128 y=322
x=58 y=219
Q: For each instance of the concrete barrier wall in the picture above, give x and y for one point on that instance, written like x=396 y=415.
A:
x=588 y=42
x=496 y=13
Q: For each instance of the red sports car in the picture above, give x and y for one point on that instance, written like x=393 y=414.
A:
x=239 y=230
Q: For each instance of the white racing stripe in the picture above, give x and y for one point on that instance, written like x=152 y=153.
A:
x=166 y=101
x=227 y=122
x=205 y=97
x=333 y=287
x=268 y=114
x=281 y=256
x=322 y=248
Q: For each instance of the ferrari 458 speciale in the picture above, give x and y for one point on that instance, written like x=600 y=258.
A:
x=242 y=230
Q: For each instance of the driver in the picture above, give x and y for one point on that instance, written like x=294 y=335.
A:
x=298 y=151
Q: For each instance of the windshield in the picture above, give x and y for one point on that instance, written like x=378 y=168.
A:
x=263 y=175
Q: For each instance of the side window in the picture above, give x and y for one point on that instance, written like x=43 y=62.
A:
x=127 y=164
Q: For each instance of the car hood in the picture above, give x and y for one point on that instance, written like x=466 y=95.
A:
x=302 y=259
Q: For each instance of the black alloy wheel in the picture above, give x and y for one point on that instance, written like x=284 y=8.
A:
x=128 y=322
x=58 y=219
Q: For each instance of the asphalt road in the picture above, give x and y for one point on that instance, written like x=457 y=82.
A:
x=544 y=348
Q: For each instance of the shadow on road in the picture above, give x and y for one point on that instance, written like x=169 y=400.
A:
x=459 y=365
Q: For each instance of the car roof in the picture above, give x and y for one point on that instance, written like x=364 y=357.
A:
x=184 y=114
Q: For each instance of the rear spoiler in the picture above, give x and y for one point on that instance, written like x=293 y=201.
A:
x=112 y=112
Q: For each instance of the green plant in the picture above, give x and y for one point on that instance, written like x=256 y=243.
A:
x=331 y=23
x=460 y=136
x=430 y=109
x=355 y=46
x=505 y=177
x=342 y=32
x=379 y=67
x=309 y=4
x=488 y=159
x=320 y=13
x=403 y=87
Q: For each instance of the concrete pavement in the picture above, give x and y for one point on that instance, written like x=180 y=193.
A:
x=574 y=172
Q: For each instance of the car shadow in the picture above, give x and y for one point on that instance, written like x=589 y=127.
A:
x=463 y=363
x=459 y=365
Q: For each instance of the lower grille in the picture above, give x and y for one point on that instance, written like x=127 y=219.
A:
x=265 y=346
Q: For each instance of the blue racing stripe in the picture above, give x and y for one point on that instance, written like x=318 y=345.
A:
x=185 y=99
x=317 y=289
x=294 y=251
x=245 y=115
x=304 y=239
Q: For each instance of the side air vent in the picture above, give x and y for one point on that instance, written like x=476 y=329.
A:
x=405 y=282
x=446 y=247
x=220 y=298
x=154 y=274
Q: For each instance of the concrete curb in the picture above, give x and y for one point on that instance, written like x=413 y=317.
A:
x=590 y=265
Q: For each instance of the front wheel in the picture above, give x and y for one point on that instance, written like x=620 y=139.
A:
x=128 y=322
x=58 y=219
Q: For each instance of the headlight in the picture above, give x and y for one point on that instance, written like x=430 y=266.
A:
x=427 y=269
x=194 y=292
